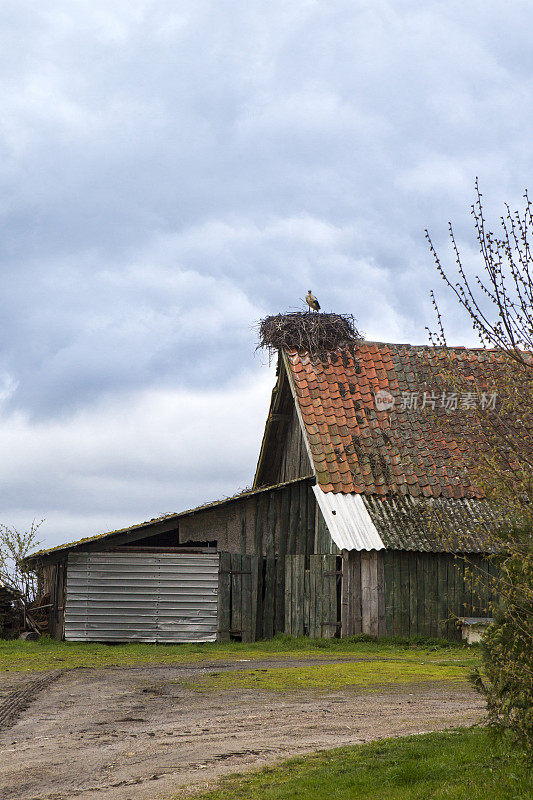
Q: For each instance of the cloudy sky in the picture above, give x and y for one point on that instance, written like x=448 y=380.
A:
x=172 y=171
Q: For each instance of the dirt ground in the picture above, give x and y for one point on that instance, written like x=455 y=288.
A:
x=136 y=734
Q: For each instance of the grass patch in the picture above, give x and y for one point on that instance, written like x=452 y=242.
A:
x=327 y=677
x=47 y=653
x=454 y=765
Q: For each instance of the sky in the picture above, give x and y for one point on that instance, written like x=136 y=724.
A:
x=172 y=172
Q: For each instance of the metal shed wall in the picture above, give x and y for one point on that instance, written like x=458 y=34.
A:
x=142 y=597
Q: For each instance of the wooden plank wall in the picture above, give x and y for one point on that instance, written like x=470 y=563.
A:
x=251 y=592
x=363 y=593
x=58 y=600
x=425 y=593
x=283 y=521
x=312 y=595
x=395 y=593
x=294 y=460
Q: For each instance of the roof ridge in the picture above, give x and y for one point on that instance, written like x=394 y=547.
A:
x=367 y=342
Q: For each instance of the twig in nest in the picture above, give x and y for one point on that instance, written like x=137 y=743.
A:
x=308 y=332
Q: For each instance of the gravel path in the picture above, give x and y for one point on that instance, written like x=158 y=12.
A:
x=136 y=734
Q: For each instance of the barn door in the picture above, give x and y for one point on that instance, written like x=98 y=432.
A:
x=238 y=597
x=143 y=597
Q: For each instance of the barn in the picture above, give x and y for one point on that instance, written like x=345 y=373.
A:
x=361 y=519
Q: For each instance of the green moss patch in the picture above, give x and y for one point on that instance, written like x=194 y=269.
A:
x=326 y=677
x=50 y=654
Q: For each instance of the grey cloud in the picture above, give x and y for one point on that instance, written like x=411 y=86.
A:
x=132 y=458
x=169 y=173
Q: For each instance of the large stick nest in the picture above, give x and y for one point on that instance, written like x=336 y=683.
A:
x=310 y=332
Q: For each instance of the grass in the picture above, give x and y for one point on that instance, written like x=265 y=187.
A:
x=47 y=653
x=455 y=765
x=328 y=677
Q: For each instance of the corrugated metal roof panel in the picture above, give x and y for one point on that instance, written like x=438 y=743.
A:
x=363 y=522
x=348 y=520
x=435 y=524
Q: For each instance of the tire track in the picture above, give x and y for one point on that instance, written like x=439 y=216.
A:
x=19 y=700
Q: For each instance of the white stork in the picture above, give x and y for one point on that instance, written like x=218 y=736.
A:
x=311 y=301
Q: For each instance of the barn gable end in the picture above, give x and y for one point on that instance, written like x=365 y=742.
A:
x=284 y=454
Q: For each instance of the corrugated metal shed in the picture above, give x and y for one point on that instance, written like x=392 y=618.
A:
x=163 y=597
x=348 y=520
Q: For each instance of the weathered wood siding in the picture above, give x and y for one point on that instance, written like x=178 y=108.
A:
x=363 y=595
x=238 y=592
x=330 y=595
x=295 y=461
x=312 y=591
x=251 y=597
x=56 y=620
x=425 y=593
x=273 y=523
x=395 y=593
x=283 y=452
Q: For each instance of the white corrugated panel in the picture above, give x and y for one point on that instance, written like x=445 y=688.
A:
x=348 y=520
x=120 y=597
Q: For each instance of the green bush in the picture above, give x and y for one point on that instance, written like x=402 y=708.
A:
x=506 y=679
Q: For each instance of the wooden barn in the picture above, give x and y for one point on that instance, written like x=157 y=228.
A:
x=350 y=525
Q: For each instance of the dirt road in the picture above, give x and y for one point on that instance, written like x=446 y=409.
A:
x=137 y=734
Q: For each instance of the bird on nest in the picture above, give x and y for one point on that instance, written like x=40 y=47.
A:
x=311 y=301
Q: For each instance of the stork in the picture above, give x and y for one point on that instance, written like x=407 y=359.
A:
x=311 y=301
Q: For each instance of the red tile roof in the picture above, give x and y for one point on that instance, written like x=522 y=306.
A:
x=357 y=448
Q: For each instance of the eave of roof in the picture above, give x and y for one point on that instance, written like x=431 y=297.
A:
x=34 y=557
x=437 y=524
